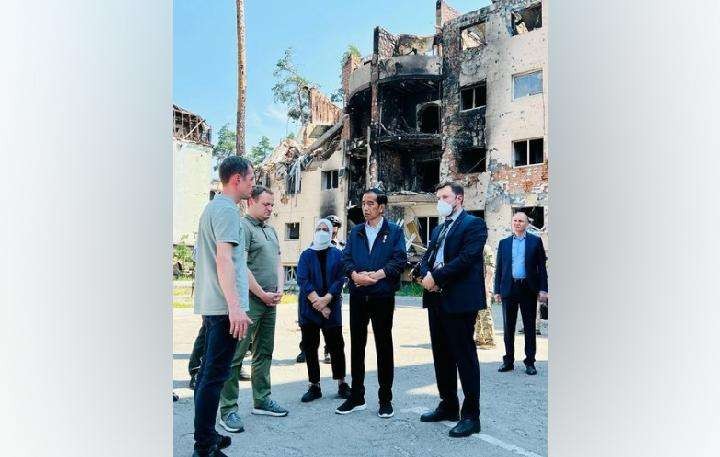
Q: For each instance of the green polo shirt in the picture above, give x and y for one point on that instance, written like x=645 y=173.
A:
x=263 y=252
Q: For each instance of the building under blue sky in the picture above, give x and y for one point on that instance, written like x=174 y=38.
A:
x=205 y=50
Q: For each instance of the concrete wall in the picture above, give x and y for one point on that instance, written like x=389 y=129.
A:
x=308 y=206
x=192 y=165
x=503 y=186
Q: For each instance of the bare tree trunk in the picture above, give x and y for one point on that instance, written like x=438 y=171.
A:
x=242 y=78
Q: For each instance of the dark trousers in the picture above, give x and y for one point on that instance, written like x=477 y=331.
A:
x=335 y=344
x=523 y=297
x=454 y=352
x=301 y=342
x=198 y=349
x=379 y=311
x=214 y=371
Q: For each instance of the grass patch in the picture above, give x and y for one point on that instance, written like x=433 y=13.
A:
x=288 y=298
x=410 y=289
x=182 y=304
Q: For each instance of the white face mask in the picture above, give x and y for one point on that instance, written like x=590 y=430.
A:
x=444 y=208
x=321 y=240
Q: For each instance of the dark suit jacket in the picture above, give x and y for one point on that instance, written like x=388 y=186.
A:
x=462 y=278
x=535 y=267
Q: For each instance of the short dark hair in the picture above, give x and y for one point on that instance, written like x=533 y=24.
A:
x=258 y=190
x=382 y=198
x=232 y=166
x=455 y=187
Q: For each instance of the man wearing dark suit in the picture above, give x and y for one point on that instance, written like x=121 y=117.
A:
x=520 y=281
x=454 y=282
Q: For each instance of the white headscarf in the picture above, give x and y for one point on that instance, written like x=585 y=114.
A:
x=315 y=246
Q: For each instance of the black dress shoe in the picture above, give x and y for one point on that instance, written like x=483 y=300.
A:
x=506 y=367
x=530 y=369
x=439 y=415
x=465 y=427
x=300 y=358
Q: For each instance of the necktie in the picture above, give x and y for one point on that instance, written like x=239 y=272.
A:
x=441 y=238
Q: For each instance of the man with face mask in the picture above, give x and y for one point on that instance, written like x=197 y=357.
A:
x=452 y=273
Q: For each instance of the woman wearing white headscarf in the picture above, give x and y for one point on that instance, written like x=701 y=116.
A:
x=320 y=279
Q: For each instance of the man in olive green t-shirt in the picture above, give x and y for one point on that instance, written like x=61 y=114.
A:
x=221 y=297
x=266 y=278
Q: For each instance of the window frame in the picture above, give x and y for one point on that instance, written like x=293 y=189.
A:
x=473 y=87
x=527 y=151
x=527 y=73
x=287 y=231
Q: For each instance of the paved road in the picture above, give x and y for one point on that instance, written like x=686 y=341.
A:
x=513 y=405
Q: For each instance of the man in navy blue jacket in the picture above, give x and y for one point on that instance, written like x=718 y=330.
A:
x=373 y=259
x=520 y=280
x=452 y=272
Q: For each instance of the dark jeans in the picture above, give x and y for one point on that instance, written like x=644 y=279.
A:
x=335 y=344
x=379 y=311
x=523 y=297
x=301 y=342
x=454 y=352
x=198 y=349
x=214 y=371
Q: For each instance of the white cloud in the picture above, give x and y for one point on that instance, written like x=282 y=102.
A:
x=276 y=113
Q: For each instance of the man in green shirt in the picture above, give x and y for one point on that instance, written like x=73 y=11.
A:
x=221 y=297
x=265 y=276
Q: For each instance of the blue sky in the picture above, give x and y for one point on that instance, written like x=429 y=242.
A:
x=205 y=47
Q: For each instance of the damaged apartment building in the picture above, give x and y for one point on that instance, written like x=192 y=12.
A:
x=467 y=103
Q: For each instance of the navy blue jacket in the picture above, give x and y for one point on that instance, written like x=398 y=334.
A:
x=309 y=278
x=462 y=278
x=388 y=254
x=535 y=267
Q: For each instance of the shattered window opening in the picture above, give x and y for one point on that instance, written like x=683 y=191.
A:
x=527 y=84
x=330 y=179
x=429 y=119
x=427 y=225
x=472 y=160
x=427 y=175
x=473 y=97
x=472 y=36
x=526 y=20
x=292 y=231
x=536 y=214
x=528 y=152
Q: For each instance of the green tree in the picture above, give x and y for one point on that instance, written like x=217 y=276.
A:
x=291 y=89
x=225 y=146
x=260 y=151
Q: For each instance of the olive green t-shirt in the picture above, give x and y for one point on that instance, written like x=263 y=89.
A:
x=263 y=252
x=219 y=222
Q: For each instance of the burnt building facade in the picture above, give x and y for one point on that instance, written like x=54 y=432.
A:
x=467 y=103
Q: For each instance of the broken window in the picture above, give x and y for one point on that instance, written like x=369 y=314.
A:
x=527 y=20
x=292 y=231
x=473 y=97
x=293 y=183
x=330 y=179
x=527 y=84
x=427 y=175
x=472 y=160
x=429 y=119
x=427 y=225
x=536 y=214
x=472 y=36
x=528 y=152
x=290 y=274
